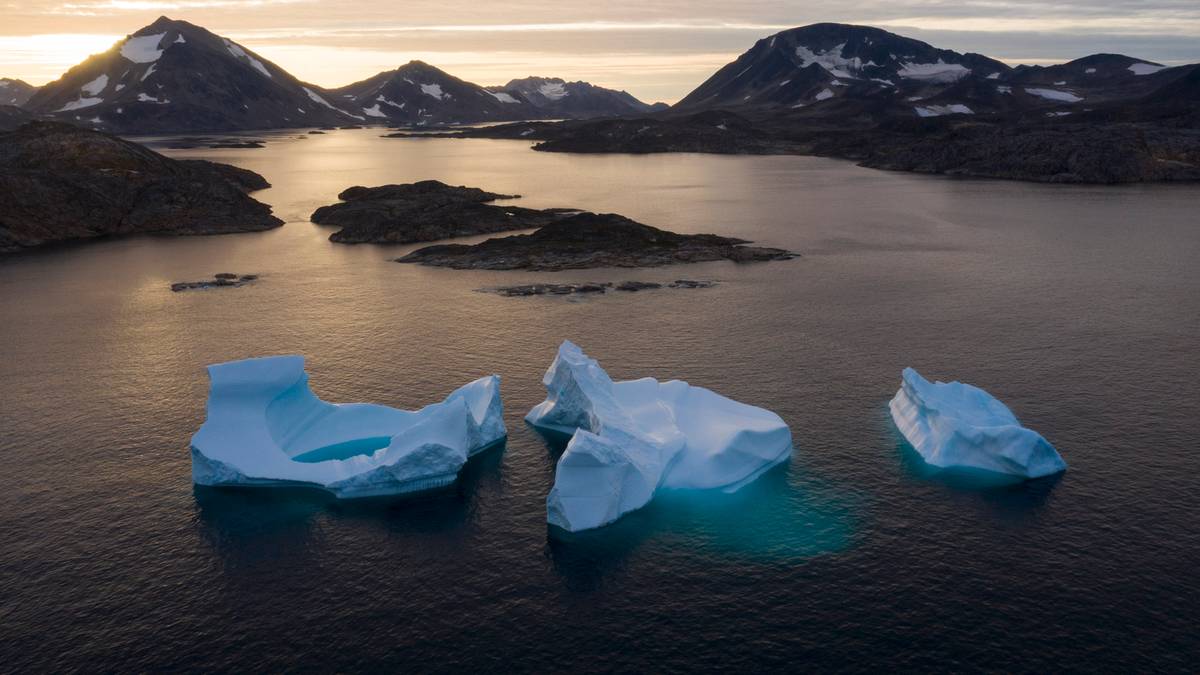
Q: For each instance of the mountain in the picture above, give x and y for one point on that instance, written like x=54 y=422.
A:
x=60 y=183
x=15 y=92
x=845 y=70
x=172 y=76
x=555 y=97
x=420 y=94
x=816 y=63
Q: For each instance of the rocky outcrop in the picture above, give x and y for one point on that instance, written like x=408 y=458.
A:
x=587 y=240
x=61 y=183
x=425 y=211
x=219 y=280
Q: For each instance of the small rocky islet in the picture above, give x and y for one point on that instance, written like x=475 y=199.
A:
x=589 y=240
x=219 y=280
x=427 y=210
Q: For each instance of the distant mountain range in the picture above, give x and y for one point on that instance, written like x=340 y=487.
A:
x=839 y=90
x=892 y=102
x=173 y=76
x=555 y=97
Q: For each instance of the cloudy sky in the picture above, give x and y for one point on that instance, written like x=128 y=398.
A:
x=656 y=49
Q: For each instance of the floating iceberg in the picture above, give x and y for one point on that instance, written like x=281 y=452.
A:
x=956 y=425
x=631 y=438
x=265 y=427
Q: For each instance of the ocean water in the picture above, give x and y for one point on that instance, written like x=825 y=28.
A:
x=1077 y=306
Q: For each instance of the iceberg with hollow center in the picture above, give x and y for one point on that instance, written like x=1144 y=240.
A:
x=629 y=439
x=956 y=425
x=265 y=427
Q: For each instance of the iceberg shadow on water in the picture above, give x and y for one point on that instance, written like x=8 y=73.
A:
x=236 y=520
x=1009 y=497
x=786 y=515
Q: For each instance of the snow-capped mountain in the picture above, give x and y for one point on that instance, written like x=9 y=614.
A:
x=420 y=94
x=556 y=97
x=15 y=92
x=824 y=61
x=172 y=76
x=843 y=70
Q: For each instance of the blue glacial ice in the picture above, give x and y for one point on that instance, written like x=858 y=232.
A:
x=629 y=439
x=956 y=425
x=265 y=427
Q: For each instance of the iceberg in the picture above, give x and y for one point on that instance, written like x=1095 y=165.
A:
x=265 y=427
x=956 y=425
x=629 y=439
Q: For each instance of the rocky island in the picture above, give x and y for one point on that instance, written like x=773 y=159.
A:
x=587 y=240
x=61 y=183
x=425 y=211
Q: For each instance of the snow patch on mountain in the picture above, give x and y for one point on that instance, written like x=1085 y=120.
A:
x=81 y=103
x=382 y=99
x=147 y=98
x=434 y=90
x=240 y=53
x=941 y=71
x=1145 y=68
x=939 y=110
x=96 y=86
x=823 y=95
x=316 y=98
x=1054 y=94
x=143 y=49
x=149 y=72
x=553 y=90
x=831 y=60
x=374 y=111
x=503 y=97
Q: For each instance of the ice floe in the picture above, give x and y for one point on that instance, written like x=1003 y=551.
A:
x=265 y=427
x=956 y=425
x=629 y=439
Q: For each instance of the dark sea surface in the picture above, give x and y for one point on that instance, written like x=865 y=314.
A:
x=1077 y=306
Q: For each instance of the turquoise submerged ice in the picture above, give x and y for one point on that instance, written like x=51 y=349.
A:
x=265 y=427
x=955 y=425
x=632 y=438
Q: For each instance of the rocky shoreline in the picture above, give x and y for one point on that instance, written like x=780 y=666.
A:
x=60 y=183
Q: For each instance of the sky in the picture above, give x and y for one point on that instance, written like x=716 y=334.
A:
x=658 y=50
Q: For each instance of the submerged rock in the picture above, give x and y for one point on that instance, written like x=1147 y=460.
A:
x=586 y=240
x=956 y=425
x=635 y=286
x=631 y=438
x=238 y=144
x=221 y=280
x=265 y=427
x=525 y=290
x=425 y=211
x=60 y=183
